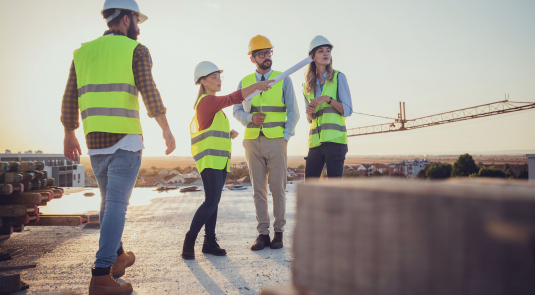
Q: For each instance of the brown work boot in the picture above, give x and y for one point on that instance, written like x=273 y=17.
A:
x=277 y=241
x=121 y=263
x=261 y=242
x=102 y=283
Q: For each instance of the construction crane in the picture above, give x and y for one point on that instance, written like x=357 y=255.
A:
x=402 y=124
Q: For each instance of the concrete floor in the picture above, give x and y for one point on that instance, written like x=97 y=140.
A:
x=155 y=233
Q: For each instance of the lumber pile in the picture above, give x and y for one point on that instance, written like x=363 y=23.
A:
x=393 y=236
x=24 y=186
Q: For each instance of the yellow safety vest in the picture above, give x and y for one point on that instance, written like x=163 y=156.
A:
x=107 y=92
x=211 y=147
x=328 y=125
x=270 y=103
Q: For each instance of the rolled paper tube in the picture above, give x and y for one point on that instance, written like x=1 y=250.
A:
x=22 y=198
x=18 y=187
x=4 y=167
x=85 y=218
x=36 y=185
x=39 y=166
x=14 y=166
x=6 y=189
x=26 y=166
x=281 y=77
x=33 y=206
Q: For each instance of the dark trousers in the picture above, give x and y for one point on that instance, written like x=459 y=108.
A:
x=330 y=153
x=213 y=181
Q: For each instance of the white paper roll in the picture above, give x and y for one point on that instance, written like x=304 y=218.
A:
x=247 y=102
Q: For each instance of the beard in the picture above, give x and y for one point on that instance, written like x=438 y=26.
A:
x=132 y=33
x=266 y=65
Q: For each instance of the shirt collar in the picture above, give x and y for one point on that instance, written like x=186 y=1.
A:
x=266 y=75
x=113 y=32
x=318 y=80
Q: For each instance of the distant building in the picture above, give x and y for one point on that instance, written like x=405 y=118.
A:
x=409 y=168
x=174 y=179
x=163 y=172
x=193 y=181
x=242 y=165
x=173 y=172
x=65 y=172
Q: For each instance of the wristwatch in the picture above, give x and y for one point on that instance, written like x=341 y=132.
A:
x=330 y=100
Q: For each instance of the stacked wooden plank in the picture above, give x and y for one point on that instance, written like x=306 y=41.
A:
x=24 y=186
x=389 y=236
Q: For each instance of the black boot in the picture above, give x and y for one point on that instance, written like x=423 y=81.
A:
x=188 y=250
x=277 y=241
x=261 y=242
x=210 y=246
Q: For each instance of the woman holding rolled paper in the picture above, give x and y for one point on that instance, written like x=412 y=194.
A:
x=211 y=150
x=328 y=103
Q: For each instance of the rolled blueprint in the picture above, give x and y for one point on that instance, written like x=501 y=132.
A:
x=247 y=102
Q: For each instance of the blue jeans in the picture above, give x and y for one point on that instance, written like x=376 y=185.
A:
x=330 y=153
x=213 y=181
x=116 y=176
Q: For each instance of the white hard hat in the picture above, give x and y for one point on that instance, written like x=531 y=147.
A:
x=205 y=68
x=318 y=41
x=123 y=4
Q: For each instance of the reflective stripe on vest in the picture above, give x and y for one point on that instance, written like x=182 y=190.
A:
x=211 y=147
x=107 y=92
x=328 y=125
x=270 y=103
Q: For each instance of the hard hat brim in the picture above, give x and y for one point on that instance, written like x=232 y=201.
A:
x=142 y=17
x=219 y=71
x=310 y=52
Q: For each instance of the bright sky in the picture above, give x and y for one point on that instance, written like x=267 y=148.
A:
x=434 y=55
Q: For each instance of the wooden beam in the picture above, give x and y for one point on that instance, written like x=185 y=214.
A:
x=19 y=267
x=10 y=283
x=57 y=221
x=6 y=189
x=22 y=198
x=16 y=210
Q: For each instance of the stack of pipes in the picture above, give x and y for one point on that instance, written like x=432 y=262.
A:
x=24 y=186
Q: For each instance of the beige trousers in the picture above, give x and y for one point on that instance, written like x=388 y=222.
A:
x=266 y=159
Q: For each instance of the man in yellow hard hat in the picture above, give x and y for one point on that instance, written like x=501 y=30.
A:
x=269 y=125
x=105 y=78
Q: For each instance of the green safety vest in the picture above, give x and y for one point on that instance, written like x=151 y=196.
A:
x=211 y=147
x=270 y=103
x=328 y=125
x=107 y=92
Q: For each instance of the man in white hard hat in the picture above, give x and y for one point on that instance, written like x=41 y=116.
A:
x=105 y=78
x=269 y=125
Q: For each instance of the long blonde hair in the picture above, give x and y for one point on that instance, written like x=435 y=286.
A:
x=201 y=92
x=311 y=74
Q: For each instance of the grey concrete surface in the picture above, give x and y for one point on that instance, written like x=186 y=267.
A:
x=155 y=234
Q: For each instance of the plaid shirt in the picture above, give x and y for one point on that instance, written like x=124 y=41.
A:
x=142 y=68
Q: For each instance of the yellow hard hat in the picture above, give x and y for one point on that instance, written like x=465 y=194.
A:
x=259 y=42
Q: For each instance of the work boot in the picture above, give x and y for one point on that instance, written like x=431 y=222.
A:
x=211 y=246
x=188 y=249
x=277 y=241
x=121 y=263
x=102 y=283
x=261 y=242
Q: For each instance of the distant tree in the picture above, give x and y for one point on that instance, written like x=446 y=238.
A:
x=142 y=171
x=491 y=172
x=178 y=168
x=522 y=174
x=301 y=167
x=346 y=168
x=507 y=170
x=421 y=173
x=376 y=173
x=480 y=165
x=464 y=166
x=153 y=168
x=439 y=171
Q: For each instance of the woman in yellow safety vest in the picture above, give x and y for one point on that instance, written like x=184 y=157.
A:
x=211 y=150
x=328 y=103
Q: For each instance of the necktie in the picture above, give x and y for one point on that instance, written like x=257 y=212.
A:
x=263 y=78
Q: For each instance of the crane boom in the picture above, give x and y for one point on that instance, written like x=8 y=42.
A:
x=402 y=124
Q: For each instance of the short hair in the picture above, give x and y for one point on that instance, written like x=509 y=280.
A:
x=117 y=20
